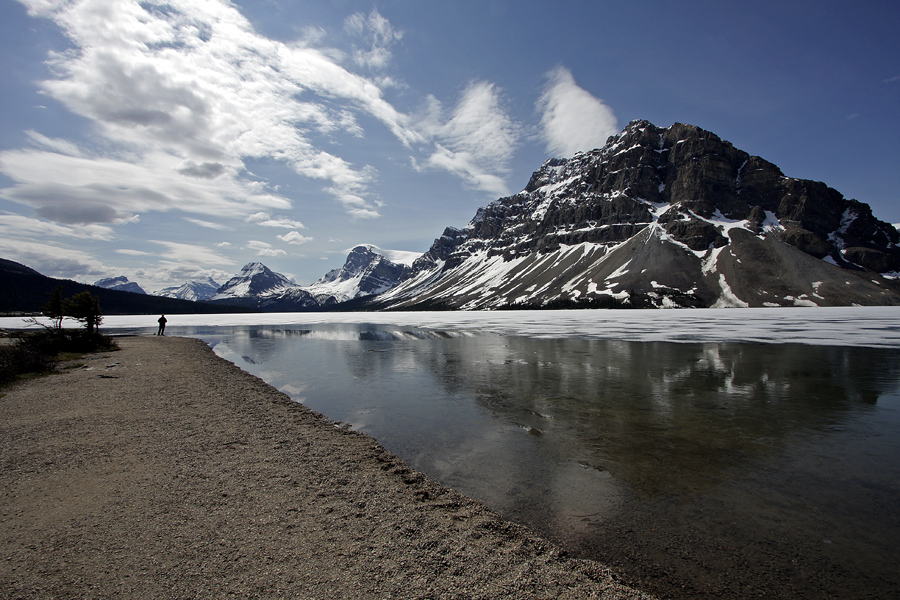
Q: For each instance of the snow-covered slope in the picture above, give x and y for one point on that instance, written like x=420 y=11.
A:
x=121 y=284
x=257 y=286
x=367 y=271
x=660 y=217
x=195 y=291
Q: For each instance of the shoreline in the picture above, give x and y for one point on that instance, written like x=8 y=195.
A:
x=163 y=471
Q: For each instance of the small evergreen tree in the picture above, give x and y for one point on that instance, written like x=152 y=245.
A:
x=85 y=308
x=54 y=308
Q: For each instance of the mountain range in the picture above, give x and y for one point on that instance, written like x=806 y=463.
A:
x=658 y=217
x=367 y=272
x=24 y=290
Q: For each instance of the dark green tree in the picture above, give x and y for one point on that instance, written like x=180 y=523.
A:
x=54 y=307
x=85 y=308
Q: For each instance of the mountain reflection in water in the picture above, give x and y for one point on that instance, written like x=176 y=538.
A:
x=725 y=470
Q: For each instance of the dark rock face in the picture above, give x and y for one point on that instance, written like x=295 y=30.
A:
x=374 y=272
x=692 y=188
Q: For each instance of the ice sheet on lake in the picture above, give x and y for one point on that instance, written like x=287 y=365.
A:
x=845 y=326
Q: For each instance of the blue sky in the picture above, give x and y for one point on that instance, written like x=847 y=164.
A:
x=169 y=141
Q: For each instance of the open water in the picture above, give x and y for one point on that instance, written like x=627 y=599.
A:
x=731 y=469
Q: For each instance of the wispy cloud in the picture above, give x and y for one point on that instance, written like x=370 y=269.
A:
x=194 y=82
x=207 y=224
x=294 y=237
x=267 y=220
x=264 y=249
x=478 y=139
x=82 y=190
x=572 y=119
x=191 y=255
x=19 y=225
x=52 y=259
x=377 y=34
x=54 y=144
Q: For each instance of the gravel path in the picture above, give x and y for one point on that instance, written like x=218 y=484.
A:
x=161 y=471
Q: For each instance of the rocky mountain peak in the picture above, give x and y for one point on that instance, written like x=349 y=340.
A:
x=689 y=188
x=367 y=271
x=255 y=279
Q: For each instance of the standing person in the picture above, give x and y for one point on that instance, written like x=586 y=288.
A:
x=162 y=325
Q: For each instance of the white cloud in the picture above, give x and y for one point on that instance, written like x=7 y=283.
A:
x=72 y=189
x=52 y=259
x=19 y=225
x=379 y=35
x=207 y=224
x=264 y=249
x=54 y=144
x=192 y=255
x=573 y=120
x=267 y=220
x=294 y=237
x=193 y=81
x=477 y=142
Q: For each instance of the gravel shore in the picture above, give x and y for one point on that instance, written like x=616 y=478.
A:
x=163 y=471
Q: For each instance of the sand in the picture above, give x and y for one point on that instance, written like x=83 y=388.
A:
x=162 y=471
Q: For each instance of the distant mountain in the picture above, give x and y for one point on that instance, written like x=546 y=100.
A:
x=367 y=272
x=259 y=287
x=659 y=217
x=121 y=284
x=24 y=290
x=8 y=266
x=195 y=291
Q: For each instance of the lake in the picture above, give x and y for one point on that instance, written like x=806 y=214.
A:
x=704 y=454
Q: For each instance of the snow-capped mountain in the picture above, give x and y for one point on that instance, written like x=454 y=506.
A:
x=660 y=217
x=257 y=286
x=368 y=271
x=255 y=279
x=121 y=284
x=196 y=291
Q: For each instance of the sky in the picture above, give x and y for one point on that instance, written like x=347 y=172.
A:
x=172 y=141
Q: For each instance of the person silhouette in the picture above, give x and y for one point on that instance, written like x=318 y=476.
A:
x=162 y=325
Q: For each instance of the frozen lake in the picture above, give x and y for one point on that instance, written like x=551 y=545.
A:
x=856 y=326
x=674 y=445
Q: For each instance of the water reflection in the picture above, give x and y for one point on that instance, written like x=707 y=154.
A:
x=669 y=417
x=713 y=466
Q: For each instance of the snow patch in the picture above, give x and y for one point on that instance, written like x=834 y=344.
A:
x=728 y=299
x=619 y=272
x=709 y=263
x=802 y=300
x=400 y=257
